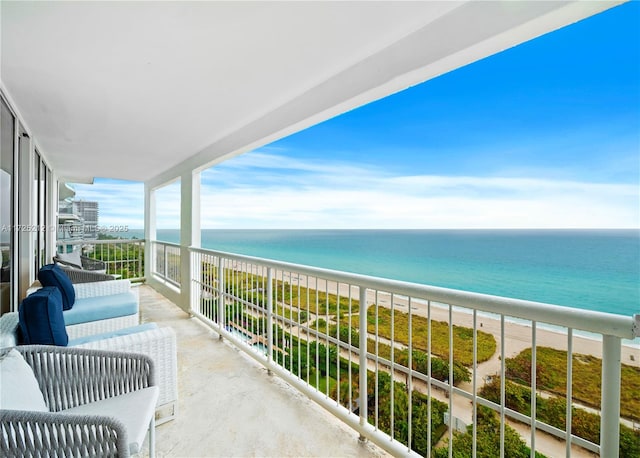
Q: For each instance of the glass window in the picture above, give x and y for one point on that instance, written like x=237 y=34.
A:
x=48 y=235
x=40 y=210
x=35 y=219
x=7 y=173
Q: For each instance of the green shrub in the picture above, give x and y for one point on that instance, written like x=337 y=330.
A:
x=419 y=413
x=488 y=441
x=419 y=363
x=553 y=412
x=551 y=371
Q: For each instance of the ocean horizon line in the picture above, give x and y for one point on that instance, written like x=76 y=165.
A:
x=590 y=269
x=409 y=229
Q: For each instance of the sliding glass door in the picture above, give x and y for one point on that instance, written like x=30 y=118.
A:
x=41 y=211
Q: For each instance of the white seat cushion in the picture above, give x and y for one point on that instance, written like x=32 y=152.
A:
x=134 y=410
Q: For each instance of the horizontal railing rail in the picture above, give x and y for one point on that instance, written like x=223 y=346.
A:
x=415 y=368
x=124 y=258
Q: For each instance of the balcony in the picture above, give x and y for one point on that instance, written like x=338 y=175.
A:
x=281 y=327
x=230 y=406
x=443 y=369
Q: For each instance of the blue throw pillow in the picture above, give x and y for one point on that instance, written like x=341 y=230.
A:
x=52 y=275
x=41 y=320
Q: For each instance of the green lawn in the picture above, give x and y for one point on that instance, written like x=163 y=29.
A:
x=462 y=336
x=317 y=302
x=551 y=370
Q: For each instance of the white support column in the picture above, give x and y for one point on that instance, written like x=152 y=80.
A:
x=24 y=239
x=189 y=231
x=149 y=229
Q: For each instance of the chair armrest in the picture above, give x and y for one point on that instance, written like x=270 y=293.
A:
x=26 y=433
x=92 y=264
x=96 y=374
x=102 y=288
x=86 y=276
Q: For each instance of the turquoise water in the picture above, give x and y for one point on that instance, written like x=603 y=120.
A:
x=590 y=269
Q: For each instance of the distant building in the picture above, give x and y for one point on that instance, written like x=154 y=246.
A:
x=88 y=211
x=70 y=226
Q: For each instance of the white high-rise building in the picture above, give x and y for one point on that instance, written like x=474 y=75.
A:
x=88 y=211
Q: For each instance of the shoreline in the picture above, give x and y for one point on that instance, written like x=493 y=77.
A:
x=517 y=333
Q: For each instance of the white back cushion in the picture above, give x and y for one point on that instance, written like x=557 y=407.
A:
x=19 y=388
x=73 y=258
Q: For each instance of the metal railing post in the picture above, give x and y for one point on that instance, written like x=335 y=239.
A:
x=141 y=248
x=165 y=268
x=150 y=261
x=221 y=296
x=363 y=358
x=269 y=319
x=610 y=403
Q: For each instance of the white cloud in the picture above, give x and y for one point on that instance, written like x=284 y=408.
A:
x=273 y=191
x=168 y=206
x=332 y=196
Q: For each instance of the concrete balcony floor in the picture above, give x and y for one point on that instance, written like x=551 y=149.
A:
x=229 y=406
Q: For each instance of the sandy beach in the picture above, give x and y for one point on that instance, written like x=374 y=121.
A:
x=518 y=336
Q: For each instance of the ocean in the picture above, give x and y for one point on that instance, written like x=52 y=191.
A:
x=588 y=269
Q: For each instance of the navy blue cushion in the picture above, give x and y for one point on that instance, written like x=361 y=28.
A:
x=52 y=275
x=41 y=320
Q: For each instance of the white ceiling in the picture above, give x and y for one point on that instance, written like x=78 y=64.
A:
x=144 y=90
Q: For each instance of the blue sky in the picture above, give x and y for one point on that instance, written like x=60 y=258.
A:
x=546 y=134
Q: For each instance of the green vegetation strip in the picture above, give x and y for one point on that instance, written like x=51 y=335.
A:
x=313 y=301
x=252 y=288
x=551 y=370
x=419 y=359
x=123 y=259
x=462 y=336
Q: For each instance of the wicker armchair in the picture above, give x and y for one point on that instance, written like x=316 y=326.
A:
x=86 y=263
x=84 y=276
x=159 y=344
x=82 y=269
x=100 y=403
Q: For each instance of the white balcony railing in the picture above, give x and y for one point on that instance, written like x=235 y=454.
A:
x=123 y=257
x=445 y=351
x=166 y=262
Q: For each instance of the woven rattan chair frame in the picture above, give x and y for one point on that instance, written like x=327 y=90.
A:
x=85 y=276
x=69 y=377
x=87 y=263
